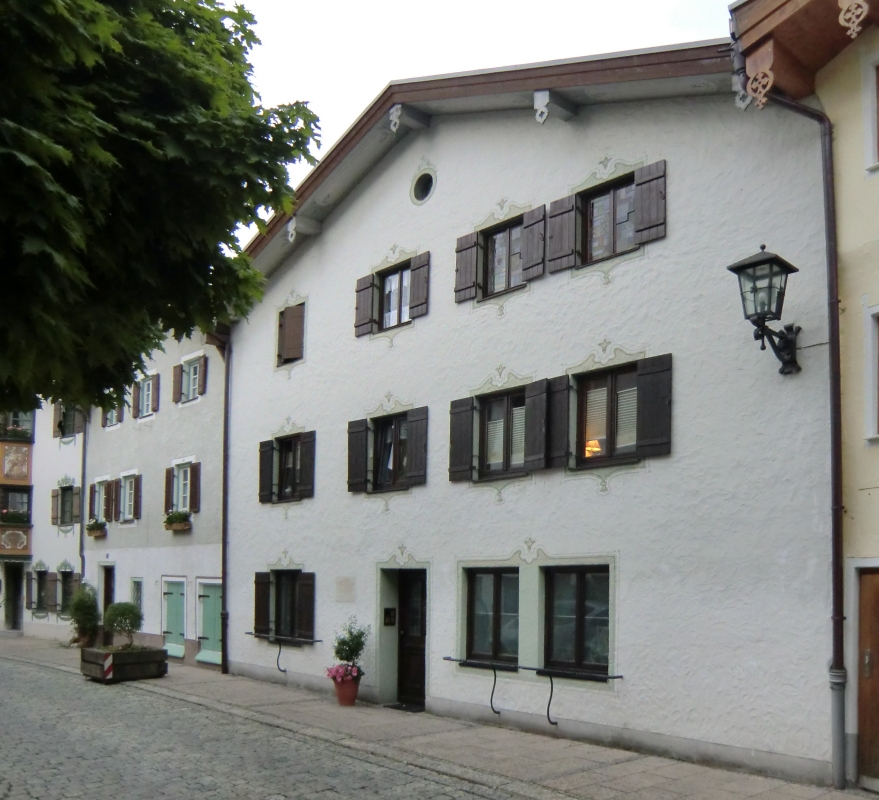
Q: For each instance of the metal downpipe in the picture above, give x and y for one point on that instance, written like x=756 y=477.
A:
x=224 y=538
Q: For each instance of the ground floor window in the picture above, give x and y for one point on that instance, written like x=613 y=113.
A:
x=493 y=615
x=66 y=579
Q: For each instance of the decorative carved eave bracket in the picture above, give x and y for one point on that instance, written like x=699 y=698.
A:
x=771 y=65
x=302 y=226
x=408 y=117
x=548 y=103
x=853 y=13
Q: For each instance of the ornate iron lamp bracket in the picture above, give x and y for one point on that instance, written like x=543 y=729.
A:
x=783 y=344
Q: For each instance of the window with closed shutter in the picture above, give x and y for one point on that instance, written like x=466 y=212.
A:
x=291 y=334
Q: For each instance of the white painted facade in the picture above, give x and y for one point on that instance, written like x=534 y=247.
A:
x=143 y=550
x=719 y=554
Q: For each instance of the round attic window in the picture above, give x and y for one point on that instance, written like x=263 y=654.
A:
x=423 y=186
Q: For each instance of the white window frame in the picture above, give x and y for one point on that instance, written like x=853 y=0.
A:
x=127 y=496
x=146 y=396
x=188 y=387
x=100 y=494
x=869 y=65
x=112 y=418
x=182 y=471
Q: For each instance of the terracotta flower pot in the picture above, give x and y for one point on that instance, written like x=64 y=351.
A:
x=346 y=691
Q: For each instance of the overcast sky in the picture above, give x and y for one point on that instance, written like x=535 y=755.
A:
x=339 y=56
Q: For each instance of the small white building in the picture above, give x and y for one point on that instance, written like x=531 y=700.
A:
x=161 y=455
x=500 y=403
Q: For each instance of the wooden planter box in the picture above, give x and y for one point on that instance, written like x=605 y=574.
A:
x=97 y=532
x=178 y=526
x=123 y=665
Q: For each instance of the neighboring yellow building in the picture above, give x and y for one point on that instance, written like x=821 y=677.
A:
x=829 y=50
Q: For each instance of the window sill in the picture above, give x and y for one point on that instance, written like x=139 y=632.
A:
x=395 y=327
x=386 y=489
x=574 y=675
x=500 y=666
x=874 y=168
x=491 y=296
x=283 y=639
x=607 y=258
x=18 y=439
x=594 y=463
x=500 y=476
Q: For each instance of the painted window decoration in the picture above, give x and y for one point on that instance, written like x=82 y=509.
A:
x=608 y=414
x=610 y=223
x=493 y=615
x=391 y=451
x=504 y=262
x=503 y=433
x=578 y=619
x=395 y=297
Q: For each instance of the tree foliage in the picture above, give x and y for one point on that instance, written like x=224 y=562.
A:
x=84 y=612
x=126 y=619
x=132 y=146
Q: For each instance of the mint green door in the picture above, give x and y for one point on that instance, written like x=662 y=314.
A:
x=210 y=598
x=175 y=618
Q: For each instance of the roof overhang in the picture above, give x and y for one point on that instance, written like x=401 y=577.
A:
x=555 y=87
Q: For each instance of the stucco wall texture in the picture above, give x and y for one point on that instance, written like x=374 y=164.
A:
x=720 y=611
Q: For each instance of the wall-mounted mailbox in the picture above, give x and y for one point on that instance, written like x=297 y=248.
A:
x=390 y=617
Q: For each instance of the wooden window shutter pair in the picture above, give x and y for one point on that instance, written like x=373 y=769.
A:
x=56 y=506
x=359 y=473
x=262 y=598
x=57 y=412
x=51 y=591
x=77 y=504
x=546 y=423
x=654 y=406
x=291 y=333
x=366 y=306
x=194 y=488
x=419 y=285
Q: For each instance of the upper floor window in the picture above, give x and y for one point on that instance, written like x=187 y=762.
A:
x=190 y=379
x=286 y=468
x=17 y=425
x=101 y=509
x=610 y=222
x=395 y=287
x=145 y=396
x=112 y=417
x=66 y=506
x=502 y=429
x=578 y=618
x=15 y=505
x=128 y=498
x=183 y=487
x=68 y=420
x=388 y=452
x=608 y=414
x=504 y=259
x=291 y=334
x=493 y=615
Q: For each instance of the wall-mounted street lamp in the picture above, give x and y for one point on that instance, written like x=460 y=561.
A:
x=762 y=281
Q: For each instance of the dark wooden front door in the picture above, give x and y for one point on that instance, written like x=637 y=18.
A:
x=868 y=677
x=12 y=600
x=109 y=597
x=413 y=629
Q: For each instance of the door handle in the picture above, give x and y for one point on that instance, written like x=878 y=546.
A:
x=868 y=663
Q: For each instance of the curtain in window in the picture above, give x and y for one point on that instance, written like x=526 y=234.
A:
x=404 y=295
x=494 y=434
x=516 y=256
x=517 y=433
x=596 y=419
x=385 y=444
x=627 y=417
x=498 y=253
x=391 y=302
x=509 y=636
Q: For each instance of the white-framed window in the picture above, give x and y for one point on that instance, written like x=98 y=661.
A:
x=190 y=377
x=137 y=592
x=112 y=417
x=102 y=500
x=128 y=492
x=182 y=486
x=146 y=397
x=870 y=106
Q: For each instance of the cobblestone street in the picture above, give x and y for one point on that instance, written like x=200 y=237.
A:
x=199 y=734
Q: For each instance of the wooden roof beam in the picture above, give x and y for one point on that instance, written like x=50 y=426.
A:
x=770 y=66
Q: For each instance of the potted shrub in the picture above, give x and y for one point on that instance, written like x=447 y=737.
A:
x=127 y=662
x=96 y=528
x=178 y=521
x=348 y=649
x=84 y=615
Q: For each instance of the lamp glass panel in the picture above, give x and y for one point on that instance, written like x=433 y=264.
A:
x=762 y=288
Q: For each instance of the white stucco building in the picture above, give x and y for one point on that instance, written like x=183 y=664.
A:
x=162 y=454
x=500 y=403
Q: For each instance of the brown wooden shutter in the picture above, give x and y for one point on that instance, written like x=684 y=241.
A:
x=195 y=487
x=416 y=467
x=51 y=591
x=366 y=306
x=262 y=599
x=120 y=413
x=563 y=234
x=77 y=504
x=558 y=422
x=169 y=490
x=135 y=400
x=267 y=471
x=419 y=285
x=56 y=502
x=177 y=383
x=108 y=501
x=103 y=419
x=305 y=483
x=57 y=412
x=92 y=492
x=533 y=243
x=468 y=257
x=305 y=585
x=202 y=374
x=138 y=486
x=75 y=583
x=29 y=590
x=291 y=333
x=155 y=397
x=650 y=202
x=358 y=449
x=117 y=499
x=654 y=406
x=78 y=420
x=461 y=439
x=535 y=425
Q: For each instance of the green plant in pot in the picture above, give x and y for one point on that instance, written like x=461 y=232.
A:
x=348 y=649
x=178 y=521
x=84 y=615
x=124 y=619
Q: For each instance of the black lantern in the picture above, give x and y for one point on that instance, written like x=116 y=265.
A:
x=762 y=283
